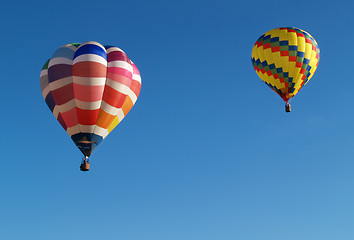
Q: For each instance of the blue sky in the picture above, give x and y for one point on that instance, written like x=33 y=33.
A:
x=207 y=152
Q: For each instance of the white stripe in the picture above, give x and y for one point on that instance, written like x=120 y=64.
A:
x=60 y=83
x=94 y=43
x=73 y=130
x=60 y=60
x=132 y=96
x=67 y=106
x=90 y=58
x=70 y=47
x=100 y=131
x=118 y=86
x=137 y=77
x=89 y=81
x=88 y=105
x=120 y=114
x=121 y=64
x=56 y=111
x=44 y=72
x=45 y=91
x=109 y=109
x=87 y=128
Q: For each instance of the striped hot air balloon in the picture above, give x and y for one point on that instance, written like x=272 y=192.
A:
x=285 y=59
x=89 y=88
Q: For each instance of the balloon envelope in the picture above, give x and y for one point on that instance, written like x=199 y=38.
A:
x=89 y=88
x=285 y=59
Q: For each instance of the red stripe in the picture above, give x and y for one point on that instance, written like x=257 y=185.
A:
x=276 y=49
x=61 y=121
x=267 y=45
x=119 y=78
x=70 y=117
x=292 y=58
x=87 y=117
x=284 y=53
x=120 y=71
x=64 y=94
x=88 y=93
x=113 y=97
x=89 y=69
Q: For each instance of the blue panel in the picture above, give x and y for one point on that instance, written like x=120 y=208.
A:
x=274 y=39
x=50 y=101
x=284 y=43
x=266 y=37
x=279 y=70
x=90 y=49
x=271 y=66
x=292 y=48
x=300 y=54
x=264 y=63
x=64 y=52
x=307 y=61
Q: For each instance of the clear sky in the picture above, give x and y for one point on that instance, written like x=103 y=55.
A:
x=207 y=152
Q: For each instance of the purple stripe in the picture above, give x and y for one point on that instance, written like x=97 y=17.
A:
x=50 y=101
x=59 y=71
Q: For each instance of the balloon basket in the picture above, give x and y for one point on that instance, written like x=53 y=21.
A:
x=287 y=107
x=85 y=165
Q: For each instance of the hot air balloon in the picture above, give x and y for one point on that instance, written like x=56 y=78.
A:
x=89 y=88
x=285 y=59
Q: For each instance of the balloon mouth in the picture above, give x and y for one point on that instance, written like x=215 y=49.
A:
x=86 y=142
x=286 y=97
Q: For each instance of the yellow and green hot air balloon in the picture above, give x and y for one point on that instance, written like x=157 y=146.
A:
x=285 y=59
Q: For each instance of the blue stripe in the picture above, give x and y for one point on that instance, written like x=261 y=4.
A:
x=90 y=49
x=64 y=52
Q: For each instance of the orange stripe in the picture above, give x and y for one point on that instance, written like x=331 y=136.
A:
x=127 y=105
x=104 y=119
x=135 y=87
